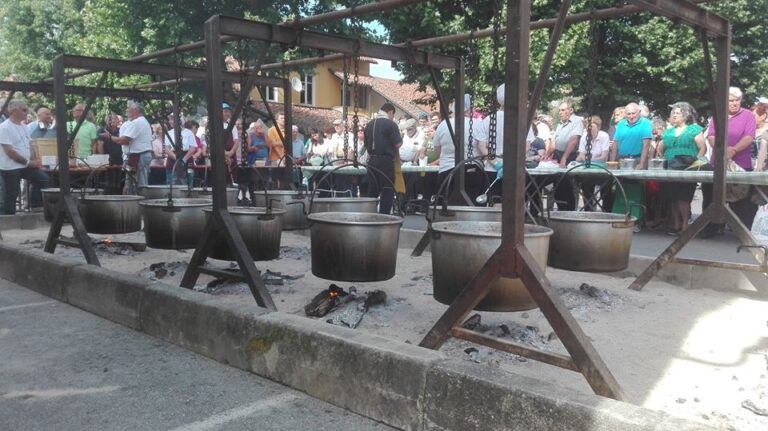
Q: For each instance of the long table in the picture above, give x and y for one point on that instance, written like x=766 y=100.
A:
x=755 y=178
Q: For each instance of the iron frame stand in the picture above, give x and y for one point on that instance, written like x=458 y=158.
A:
x=512 y=259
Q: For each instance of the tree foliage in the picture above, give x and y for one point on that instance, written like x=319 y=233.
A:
x=639 y=57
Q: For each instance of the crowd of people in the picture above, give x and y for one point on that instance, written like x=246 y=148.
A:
x=678 y=135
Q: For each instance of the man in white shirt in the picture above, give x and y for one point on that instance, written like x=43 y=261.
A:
x=136 y=136
x=16 y=159
x=445 y=151
x=483 y=141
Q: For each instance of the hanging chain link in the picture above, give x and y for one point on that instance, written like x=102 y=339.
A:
x=355 y=101
x=344 y=109
x=243 y=64
x=592 y=75
x=474 y=72
x=494 y=77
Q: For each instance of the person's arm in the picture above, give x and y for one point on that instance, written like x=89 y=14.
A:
x=700 y=144
x=762 y=153
x=660 y=148
x=18 y=158
x=740 y=146
x=573 y=143
x=644 y=154
x=122 y=140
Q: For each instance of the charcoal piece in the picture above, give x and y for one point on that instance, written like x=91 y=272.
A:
x=472 y=322
x=161 y=272
x=156 y=266
x=325 y=301
x=374 y=298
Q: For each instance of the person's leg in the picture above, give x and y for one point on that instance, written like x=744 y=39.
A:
x=11 y=180
x=566 y=199
x=39 y=180
x=685 y=214
x=745 y=210
x=2 y=195
x=711 y=229
x=142 y=175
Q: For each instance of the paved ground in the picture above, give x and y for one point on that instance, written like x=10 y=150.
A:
x=64 y=369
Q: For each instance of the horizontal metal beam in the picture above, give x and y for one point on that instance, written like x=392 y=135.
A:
x=308 y=39
x=600 y=14
x=136 y=67
x=42 y=87
x=689 y=13
x=377 y=6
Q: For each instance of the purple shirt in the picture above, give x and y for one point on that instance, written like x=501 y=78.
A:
x=740 y=125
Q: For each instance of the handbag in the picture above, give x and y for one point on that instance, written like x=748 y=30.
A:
x=680 y=162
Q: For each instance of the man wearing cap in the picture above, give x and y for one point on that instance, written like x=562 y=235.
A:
x=136 y=134
x=382 y=139
x=337 y=140
x=231 y=145
x=423 y=121
x=413 y=142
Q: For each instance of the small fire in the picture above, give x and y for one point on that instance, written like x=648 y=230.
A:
x=335 y=291
x=107 y=240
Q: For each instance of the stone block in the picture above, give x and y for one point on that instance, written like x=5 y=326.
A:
x=465 y=396
x=39 y=271
x=210 y=326
x=369 y=375
x=109 y=294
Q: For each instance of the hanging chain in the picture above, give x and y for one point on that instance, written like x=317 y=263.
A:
x=243 y=64
x=355 y=101
x=344 y=109
x=494 y=78
x=474 y=72
x=592 y=74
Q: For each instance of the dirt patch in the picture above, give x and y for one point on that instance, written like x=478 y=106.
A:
x=700 y=354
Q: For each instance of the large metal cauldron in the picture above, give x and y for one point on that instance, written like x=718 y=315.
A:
x=590 y=241
x=261 y=232
x=463 y=213
x=160 y=191
x=354 y=246
x=177 y=227
x=352 y=205
x=207 y=193
x=51 y=200
x=459 y=251
x=110 y=214
x=294 y=203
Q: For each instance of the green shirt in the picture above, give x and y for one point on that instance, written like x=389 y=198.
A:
x=684 y=144
x=85 y=137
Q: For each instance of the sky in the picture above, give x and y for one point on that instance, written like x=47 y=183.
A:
x=384 y=70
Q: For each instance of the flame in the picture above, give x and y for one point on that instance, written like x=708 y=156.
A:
x=107 y=240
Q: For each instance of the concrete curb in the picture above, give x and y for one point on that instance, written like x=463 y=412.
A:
x=22 y=221
x=402 y=385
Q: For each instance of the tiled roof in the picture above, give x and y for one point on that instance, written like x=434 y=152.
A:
x=405 y=96
x=306 y=117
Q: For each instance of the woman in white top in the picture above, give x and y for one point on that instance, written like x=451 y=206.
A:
x=600 y=141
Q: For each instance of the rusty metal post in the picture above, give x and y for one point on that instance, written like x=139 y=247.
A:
x=67 y=204
x=221 y=222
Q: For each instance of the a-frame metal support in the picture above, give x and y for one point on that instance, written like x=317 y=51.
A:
x=512 y=258
x=221 y=222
